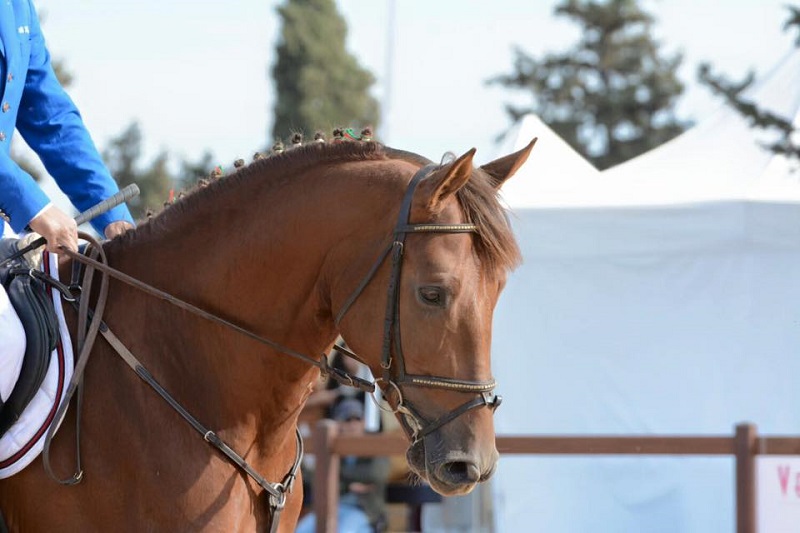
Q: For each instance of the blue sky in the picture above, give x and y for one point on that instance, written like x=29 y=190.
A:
x=195 y=74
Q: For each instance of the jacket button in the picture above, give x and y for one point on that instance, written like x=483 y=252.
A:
x=6 y=107
x=10 y=77
x=2 y=136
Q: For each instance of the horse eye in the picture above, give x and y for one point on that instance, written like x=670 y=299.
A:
x=431 y=296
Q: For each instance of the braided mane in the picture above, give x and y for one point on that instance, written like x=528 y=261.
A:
x=495 y=245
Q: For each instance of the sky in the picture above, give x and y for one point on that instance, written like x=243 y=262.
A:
x=195 y=74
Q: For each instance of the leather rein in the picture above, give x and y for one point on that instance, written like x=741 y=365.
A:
x=394 y=377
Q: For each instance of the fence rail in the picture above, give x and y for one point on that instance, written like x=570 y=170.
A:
x=745 y=445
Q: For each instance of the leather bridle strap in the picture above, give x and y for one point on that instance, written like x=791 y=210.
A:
x=492 y=401
x=417 y=427
x=392 y=318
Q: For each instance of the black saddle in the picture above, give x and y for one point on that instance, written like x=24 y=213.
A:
x=29 y=297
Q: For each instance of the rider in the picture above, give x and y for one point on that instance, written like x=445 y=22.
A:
x=33 y=101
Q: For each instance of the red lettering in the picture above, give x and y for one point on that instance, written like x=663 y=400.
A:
x=783 y=477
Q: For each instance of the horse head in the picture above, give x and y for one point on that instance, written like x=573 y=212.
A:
x=439 y=280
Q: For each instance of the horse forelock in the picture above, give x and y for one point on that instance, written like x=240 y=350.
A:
x=496 y=247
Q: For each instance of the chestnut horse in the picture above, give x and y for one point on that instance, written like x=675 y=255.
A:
x=297 y=248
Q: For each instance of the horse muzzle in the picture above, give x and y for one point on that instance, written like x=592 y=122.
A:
x=448 y=470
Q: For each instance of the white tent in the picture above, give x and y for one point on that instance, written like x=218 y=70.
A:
x=556 y=172
x=658 y=297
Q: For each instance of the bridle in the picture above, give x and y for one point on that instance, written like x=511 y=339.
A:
x=395 y=376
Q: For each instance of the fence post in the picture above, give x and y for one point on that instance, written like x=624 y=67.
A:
x=746 y=437
x=326 y=476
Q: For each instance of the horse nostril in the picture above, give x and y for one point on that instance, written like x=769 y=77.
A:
x=461 y=472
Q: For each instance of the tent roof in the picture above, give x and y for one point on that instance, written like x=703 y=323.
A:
x=719 y=159
x=722 y=157
x=553 y=169
x=711 y=188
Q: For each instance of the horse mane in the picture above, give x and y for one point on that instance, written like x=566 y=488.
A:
x=496 y=246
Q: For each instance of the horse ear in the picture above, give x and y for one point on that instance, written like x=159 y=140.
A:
x=501 y=169
x=447 y=181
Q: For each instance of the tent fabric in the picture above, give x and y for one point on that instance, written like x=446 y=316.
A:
x=658 y=297
x=556 y=169
x=722 y=158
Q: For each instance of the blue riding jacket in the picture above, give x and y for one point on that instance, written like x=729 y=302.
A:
x=33 y=101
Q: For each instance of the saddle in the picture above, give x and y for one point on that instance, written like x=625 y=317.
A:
x=29 y=297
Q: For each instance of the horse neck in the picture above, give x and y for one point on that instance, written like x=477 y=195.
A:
x=268 y=276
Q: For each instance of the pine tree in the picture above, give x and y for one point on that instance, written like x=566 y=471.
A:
x=191 y=171
x=123 y=155
x=612 y=95
x=319 y=84
x=786 y=142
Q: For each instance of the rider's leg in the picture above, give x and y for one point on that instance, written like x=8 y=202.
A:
x=12 y=338
x=12 y=346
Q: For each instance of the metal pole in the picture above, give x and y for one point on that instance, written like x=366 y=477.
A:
x=746 y=437
x=326 y=476
x=388 y=84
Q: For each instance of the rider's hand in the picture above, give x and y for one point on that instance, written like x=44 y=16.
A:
x=58 y=228
x=117 y=228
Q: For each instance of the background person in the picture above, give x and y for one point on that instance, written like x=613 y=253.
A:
x=362 y=481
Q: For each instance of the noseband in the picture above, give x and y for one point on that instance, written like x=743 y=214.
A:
x=394 y=375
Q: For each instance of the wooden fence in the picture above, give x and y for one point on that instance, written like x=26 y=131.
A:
x=745 y=444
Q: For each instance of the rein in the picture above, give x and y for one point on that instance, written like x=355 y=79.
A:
x=340 y=376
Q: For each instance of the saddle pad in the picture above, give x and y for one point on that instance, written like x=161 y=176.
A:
x=24 y=441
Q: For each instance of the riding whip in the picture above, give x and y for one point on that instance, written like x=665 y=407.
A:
x=131 y=191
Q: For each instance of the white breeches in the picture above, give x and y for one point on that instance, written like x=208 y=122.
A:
x=12 y=338
x=12 y=346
